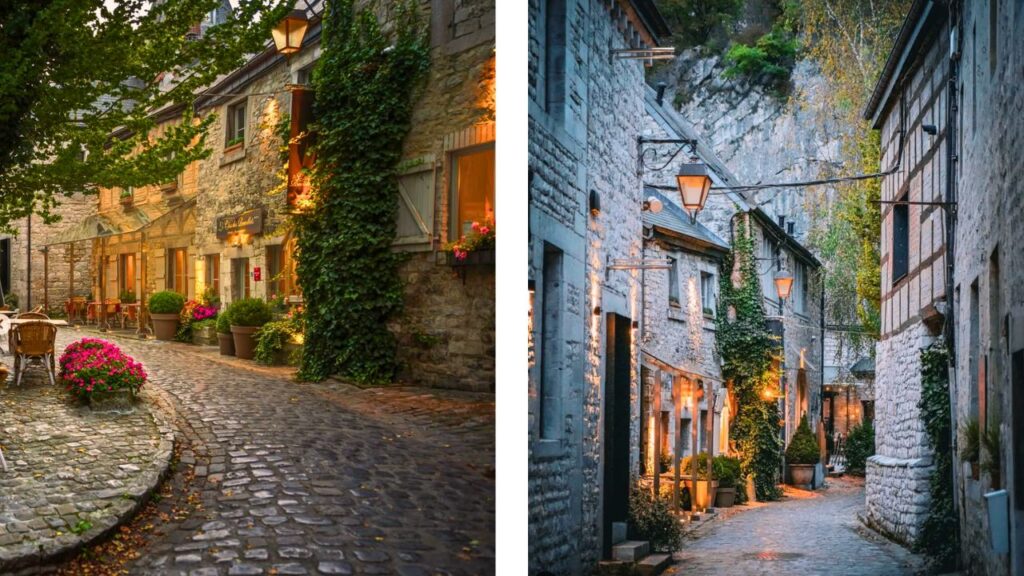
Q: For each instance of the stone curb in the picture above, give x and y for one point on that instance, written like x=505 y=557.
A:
x=69 y=544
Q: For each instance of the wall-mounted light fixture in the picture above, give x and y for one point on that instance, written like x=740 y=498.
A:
x=289 y=32
x=595 y=203
x=783 y=283
x=653 y=205
x=693 y=181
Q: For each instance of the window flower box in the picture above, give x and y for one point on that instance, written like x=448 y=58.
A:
x=474 y=258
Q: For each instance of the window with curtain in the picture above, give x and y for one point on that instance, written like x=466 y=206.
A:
x=472 y=197
x=177 y=271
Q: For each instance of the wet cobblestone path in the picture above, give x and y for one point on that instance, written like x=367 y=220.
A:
x=319 y=478
x=807 y=533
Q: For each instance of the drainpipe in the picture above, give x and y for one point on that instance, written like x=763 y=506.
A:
x=821 y=360
x=951 y=195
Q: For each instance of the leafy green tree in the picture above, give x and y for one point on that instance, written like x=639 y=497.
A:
x=77 y=71
x=694 y=22
x=849 y=41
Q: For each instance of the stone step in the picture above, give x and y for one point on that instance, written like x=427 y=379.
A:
x=630 y=550
x=618 y=532
x=653 y=564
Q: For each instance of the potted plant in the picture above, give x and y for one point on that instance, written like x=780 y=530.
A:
x=224 y=338
x=726 y=470
x=247 y=315
x=103 y=375
x=127 y=297
x=127 y=197
x=802 y=454
x=164 y=308
x=702 y=494
x=476 y=247
x=970 y=447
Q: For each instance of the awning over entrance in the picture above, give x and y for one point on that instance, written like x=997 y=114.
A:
x=117 y=222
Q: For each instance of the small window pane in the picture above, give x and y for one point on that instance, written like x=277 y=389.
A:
x=473 y=193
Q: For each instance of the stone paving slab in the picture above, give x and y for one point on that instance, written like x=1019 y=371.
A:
x=805 y=533
x=321 y=478
x=73 y=475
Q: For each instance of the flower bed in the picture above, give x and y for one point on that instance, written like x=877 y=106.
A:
x=91 y=367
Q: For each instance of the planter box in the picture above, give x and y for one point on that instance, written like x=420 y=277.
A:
x=245 y=344
x=205 y=336
x=802 y=474
x=704 y=496
x=475 y=258
x=116 y=401
x=165 y=326
x=227 y=344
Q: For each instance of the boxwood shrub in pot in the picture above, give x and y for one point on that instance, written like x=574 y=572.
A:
x=224 y=338
x=246 y=317
x=164 y=309
x=726 y=470
x=802 y=454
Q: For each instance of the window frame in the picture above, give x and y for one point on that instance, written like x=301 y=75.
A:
x=211 y=274
x=231 y=131
x=674 y=292
x=171 y=275
x=454 y=231
x=122 y=273
x=707 y=294
x=899 y=255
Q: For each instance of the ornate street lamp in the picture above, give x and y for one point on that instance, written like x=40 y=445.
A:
x=289 y=32
x=783 y=283
x=693 y=182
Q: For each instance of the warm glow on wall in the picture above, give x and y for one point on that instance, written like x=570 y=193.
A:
x=485 y=101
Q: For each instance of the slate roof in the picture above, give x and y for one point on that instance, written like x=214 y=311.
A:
x=675 y=219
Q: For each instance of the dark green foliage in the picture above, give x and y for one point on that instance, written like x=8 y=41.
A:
x=686 y=467
x=939 y=534
x=860 y=444
x=70 y=60
x=364 y=81
x=664 y=462
x=768 y=61
x=166 y=302
x=803 y=447
x=652 y=519
x=224 y=322
x=249 y=312
x=726 y=470
x=272 y=337
x=747 y=351
x=699 y=22
x=970 y=448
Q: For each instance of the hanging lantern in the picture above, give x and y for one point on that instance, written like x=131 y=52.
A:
x=694 y=183
x=289 y=32
x=783 y=283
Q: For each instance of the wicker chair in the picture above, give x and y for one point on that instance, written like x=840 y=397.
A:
x=23 y=316
x=34 y=342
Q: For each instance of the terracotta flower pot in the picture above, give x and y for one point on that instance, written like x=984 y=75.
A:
x=165 y=326
x=704 y=496
x=226 y=343
x=245 y=344
x=803 y=474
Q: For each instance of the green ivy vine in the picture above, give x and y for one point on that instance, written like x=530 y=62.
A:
x=365 y=83
x=939 y=534
x=748 y=352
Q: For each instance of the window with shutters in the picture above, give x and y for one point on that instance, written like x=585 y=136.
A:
x=415 y=225
x=472 y=189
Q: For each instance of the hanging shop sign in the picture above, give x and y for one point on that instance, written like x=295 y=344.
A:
x=249 y=222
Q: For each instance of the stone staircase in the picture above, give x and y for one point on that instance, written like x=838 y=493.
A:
x=632 y=556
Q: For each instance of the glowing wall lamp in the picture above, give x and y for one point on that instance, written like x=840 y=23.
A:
x=783 y=283
x=694 y=183
x=289 y=32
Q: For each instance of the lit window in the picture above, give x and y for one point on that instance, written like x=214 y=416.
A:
x=472 y=189
x=212 y=272
x=235 y=133
x=177 y=271
x=126 y=274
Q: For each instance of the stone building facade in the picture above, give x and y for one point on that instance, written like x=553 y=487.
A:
x=913 y=266
x=798 y=321
x=988 y=276
x=585 y=200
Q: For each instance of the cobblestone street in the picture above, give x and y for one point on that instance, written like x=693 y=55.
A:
x=319 y=478
x=806 y=533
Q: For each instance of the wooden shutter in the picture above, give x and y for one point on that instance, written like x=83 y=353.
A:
x=415 y=226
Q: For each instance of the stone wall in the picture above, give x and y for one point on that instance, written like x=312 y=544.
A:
x=990 y=257
x=897 y=483
x=583 y=144
x=52 y=286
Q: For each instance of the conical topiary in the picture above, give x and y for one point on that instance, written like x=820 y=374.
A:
x=803 y=448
